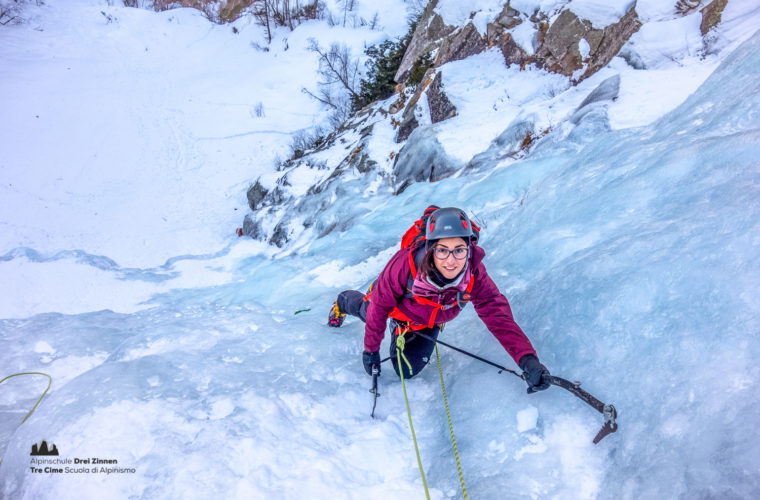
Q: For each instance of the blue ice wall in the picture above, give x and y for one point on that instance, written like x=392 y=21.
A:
x=630 y=258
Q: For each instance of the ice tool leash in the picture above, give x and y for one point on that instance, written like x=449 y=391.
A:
x=608 y=411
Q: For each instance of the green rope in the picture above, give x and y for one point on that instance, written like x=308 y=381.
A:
x=50 y=382
x=451 y=426
x=400 y=344
x=399 y=354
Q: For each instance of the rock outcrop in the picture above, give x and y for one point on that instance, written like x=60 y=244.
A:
x=409 y=117
x=570 y=45
x=512 y=52
x=711 y=15
x=431 y=30
x=284 y=209
x=255 y=195
x=561 y=51
x=439 y=104
x=408 y=125
x=507 y=19
x=614 y=37
x=464 y=43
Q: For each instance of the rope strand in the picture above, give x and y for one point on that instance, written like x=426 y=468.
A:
x=399 y=350
x=50 y=382
x=451 y=426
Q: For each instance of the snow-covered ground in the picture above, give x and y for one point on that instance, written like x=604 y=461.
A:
x=628 y=249
x=129 y=144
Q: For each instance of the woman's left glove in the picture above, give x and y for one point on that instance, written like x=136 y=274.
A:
x=534 y=373
x=371 y=359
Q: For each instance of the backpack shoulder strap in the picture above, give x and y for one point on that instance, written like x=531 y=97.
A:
x=415 y=257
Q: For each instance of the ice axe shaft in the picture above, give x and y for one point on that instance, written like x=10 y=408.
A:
x=608 y=411
x=375 y=374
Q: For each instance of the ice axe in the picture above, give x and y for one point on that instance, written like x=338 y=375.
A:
x=608 y=411
x=375 y=374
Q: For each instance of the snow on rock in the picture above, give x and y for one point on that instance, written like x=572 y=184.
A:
x=531 y=6
x=601 y=13
x=456 y=13
x=525 y=35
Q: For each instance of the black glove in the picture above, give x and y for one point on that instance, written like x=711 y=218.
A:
x=371 y=359
x=534 y=373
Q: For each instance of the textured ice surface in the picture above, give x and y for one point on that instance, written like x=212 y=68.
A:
x=630 y=258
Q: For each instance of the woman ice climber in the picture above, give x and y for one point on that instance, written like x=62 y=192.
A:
x=424 y=286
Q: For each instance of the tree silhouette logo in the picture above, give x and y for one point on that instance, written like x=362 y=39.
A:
x=43 y=450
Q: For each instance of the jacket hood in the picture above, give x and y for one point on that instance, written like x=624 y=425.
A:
x=476 y=254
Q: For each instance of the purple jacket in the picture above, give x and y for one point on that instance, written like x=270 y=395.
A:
x=492 y=307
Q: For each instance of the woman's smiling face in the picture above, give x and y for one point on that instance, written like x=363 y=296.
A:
x=450 y=266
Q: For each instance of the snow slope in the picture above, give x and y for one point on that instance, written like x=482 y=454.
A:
x=629 y=255
x=129 y=144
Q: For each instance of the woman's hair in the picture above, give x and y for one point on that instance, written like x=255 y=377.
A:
x=427 y=266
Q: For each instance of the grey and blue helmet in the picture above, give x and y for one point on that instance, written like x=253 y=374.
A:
x=449 y=222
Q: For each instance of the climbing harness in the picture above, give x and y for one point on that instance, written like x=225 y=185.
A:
x=50 y=382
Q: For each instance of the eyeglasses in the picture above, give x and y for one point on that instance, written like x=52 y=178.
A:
x=442 y=253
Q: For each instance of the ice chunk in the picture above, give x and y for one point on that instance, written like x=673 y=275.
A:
x=527 y=419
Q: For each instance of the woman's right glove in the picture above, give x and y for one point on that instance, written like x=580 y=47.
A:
x=534 y=373
x=370 y=359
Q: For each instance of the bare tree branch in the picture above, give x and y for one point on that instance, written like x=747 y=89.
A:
x=336 y=66
x=324 y=99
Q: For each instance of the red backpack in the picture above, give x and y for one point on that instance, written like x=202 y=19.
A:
x=416 y=233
